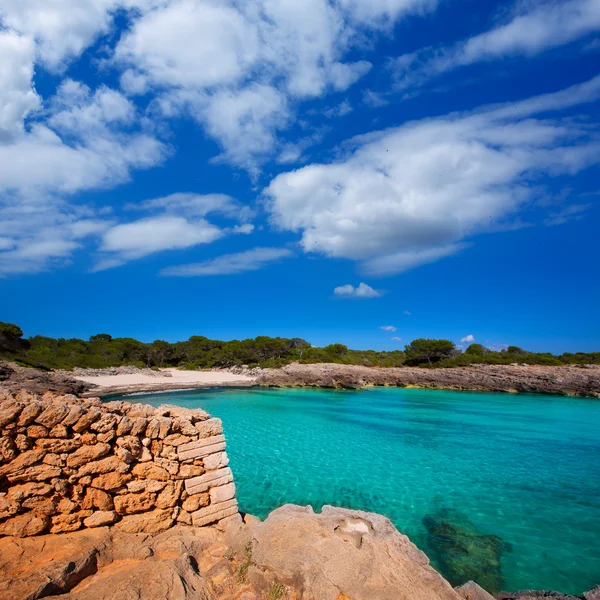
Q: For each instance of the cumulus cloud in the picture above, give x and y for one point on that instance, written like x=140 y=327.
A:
x=468 y=339
x=87 y=140
x=360 y=291
x=396 y=339
x=137 y=239
x=388 y=328
x=17 y=95
x=240 y=69
x=229 y=264
x=545 y=25
x=177 y=222
x=63 y=29
x=412 y=194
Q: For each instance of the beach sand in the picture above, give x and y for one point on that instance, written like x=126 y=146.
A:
x=140 y=382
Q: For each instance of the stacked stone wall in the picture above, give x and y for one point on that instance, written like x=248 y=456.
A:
x=68 y=463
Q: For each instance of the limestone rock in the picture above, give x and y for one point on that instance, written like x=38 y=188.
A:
x=29 y=413
x=24 y=460
x=472 y=591
x=150 y=522
x=193 y=503
x=53 y=415
x=25 y=525
x=214 y=513
x=359 y=555
x=197 y=485
x=150 y=471
x=69 y=522
x=99 y=499
x=37 y=567
x=593 y=594
x=170 y=495
x=110 y=482
x=36 y=473
x=86 y=454
x=210 y=427
x=101 y=518
x=106 y=465
x=128 y=504
x=215 y=461
x=222 y=493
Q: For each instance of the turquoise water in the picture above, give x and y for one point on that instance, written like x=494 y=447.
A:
x=524 y=468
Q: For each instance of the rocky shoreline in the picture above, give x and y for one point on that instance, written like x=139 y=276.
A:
x=563 y=380
x=69 y=484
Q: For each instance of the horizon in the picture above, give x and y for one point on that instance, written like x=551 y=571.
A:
x=324 y=170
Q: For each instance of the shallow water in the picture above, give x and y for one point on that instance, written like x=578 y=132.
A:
x=523 y=468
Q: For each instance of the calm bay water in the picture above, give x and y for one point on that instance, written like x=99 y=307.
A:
x=524 y=468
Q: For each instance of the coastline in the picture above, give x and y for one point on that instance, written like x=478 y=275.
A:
x=556 y=380
x=145 y=381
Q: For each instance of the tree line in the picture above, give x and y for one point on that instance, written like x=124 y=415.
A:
x=199 y=352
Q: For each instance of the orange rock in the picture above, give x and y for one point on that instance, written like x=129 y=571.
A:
x=25 y=525
x=106 y=465
x=37 y=431
x=87 y=454
x=110 y=481
x=170 y=495
x=150 y=522
x=35 y=473
x=95 y=498
x=22 y=461
x=150 y=470
x=70 y=522
x=129 y=504
x=101 y=518
x=195 y=502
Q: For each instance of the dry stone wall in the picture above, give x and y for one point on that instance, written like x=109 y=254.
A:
x=68 y=463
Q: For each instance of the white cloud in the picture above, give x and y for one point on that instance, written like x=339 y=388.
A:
x=339 y=110
x=63 y=29
x=383 y=13
x=546 y=25
x=137 y=239
x=88 y=140
x=396 y=339
x=407 y=313
x=229 y=264
x=178 y=222
x=468 y=339
x=390 y=264
x=80 y=146
x=195 y=205
x=41 y=236
x=240 y=68
x=388 y=328
x=17 y=95
x=410 y=195
x=361 y=291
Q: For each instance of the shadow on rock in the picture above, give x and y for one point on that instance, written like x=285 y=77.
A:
x=464 y=553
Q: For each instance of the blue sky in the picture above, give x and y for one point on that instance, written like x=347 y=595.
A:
x=310 y=168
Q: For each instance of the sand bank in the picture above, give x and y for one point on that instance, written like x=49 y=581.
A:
x=168 y=379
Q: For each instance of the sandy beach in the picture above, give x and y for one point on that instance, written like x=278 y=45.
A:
x=167 y=379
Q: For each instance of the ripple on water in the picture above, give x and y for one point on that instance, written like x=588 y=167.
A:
x=520 y=470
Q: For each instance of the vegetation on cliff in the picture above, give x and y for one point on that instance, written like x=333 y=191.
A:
x=199 y=352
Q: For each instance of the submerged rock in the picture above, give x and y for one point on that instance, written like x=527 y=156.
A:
x=463 y=552
x=535 y=595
